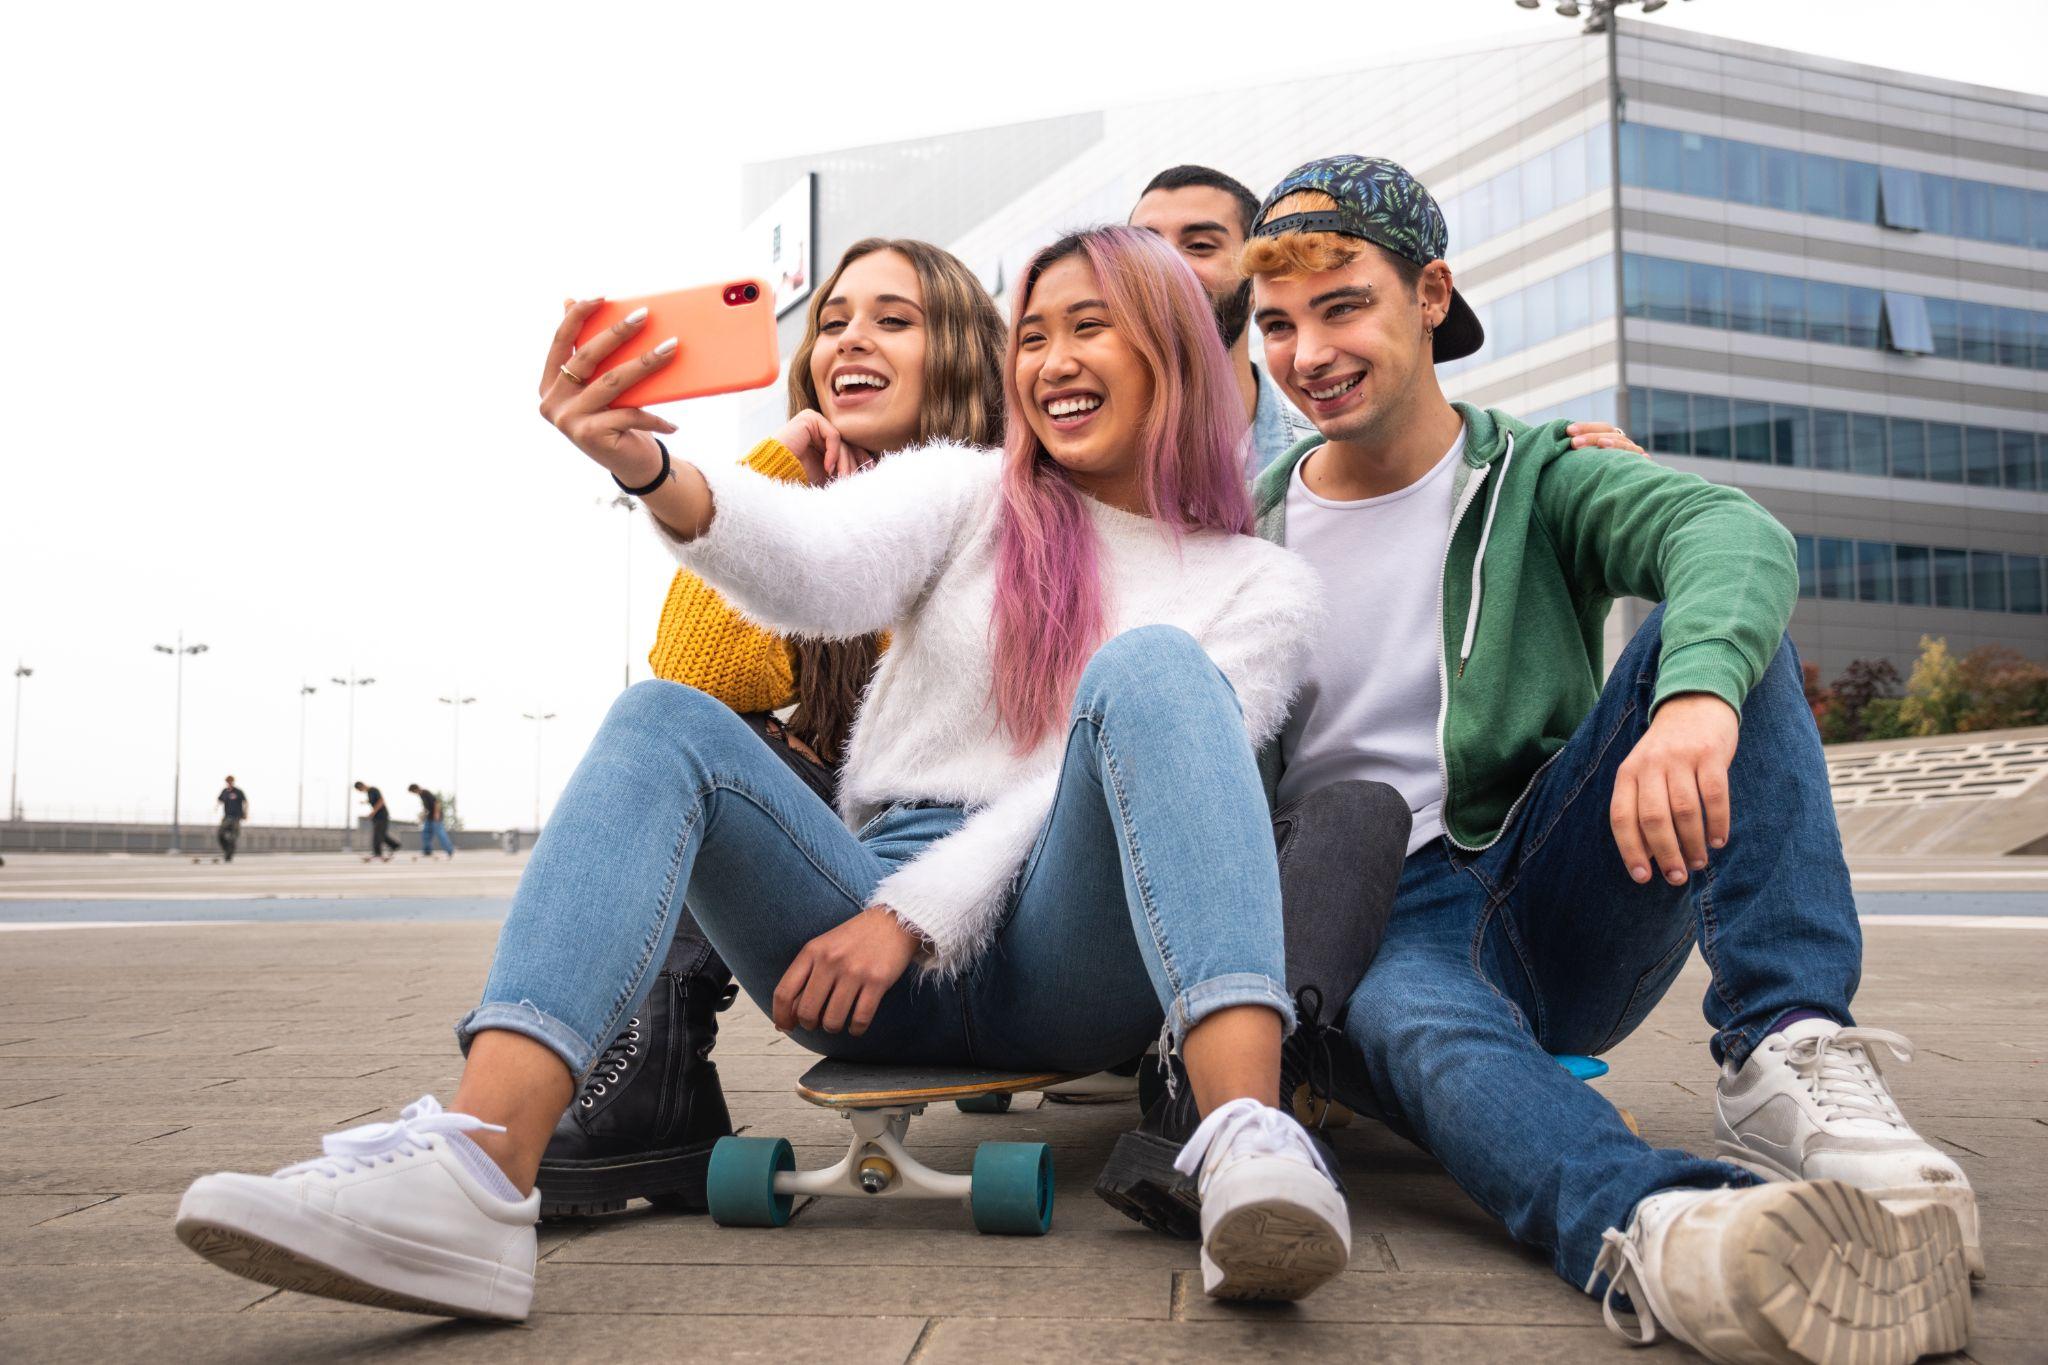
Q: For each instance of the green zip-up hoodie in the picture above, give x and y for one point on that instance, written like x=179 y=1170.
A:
x=1557 y=535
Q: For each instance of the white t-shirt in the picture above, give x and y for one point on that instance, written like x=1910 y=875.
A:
x=1368 y=708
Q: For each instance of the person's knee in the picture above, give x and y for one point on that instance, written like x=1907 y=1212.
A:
x=1155 y=664
x=1341 y=814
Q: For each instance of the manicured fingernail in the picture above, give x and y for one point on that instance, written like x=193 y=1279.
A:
x=1675 y=876
x=636 y=317
x=1641 y=874
x=666 y=347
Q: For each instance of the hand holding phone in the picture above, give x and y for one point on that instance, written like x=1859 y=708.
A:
x=726 y=333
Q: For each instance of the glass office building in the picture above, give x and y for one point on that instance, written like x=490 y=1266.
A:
x=1825 y=284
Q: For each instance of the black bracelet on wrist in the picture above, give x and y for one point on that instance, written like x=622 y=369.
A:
x=658 y=480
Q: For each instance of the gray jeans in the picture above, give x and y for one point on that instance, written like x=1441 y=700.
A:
x=1341 y=851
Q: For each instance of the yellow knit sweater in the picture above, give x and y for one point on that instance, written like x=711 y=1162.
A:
x=706 y=644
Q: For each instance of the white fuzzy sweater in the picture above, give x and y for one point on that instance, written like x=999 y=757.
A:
x=909 y=547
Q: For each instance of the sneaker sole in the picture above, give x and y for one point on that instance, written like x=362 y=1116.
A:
x=1270 y=1251
x=672 y=1181
x=1139 y=1181
x=302 y=1250
x=1961 y=1199
x=1829 y=1276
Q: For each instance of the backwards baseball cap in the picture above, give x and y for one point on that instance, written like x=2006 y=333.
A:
x=1378 y=202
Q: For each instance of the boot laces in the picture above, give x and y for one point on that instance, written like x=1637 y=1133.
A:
x=1842 y=1074
x=1312 y=1043
x=356 y=1149
x=611 y=1064
x=1621 y=1261
x=1246 y=1127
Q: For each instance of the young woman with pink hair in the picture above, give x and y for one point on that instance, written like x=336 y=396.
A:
x=1054 y=849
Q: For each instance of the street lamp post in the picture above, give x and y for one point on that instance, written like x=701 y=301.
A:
x=455 y=705
x=21 y=670
x=178 y=652
x=348 y=767
x=629 y=505
x=1599 y=17
x=538 y=718
x=305 y=690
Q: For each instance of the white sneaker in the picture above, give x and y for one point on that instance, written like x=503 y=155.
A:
x=1273 y=1223
x=1811 y=1104
x=1815 y=1271
x=407 y=1215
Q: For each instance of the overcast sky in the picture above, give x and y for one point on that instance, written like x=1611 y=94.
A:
x=282 y=277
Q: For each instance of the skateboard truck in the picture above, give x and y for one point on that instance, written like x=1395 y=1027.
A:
x=753 y=1181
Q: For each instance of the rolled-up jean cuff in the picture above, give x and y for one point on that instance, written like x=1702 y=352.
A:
x=1204 y=998
x=550 y=1032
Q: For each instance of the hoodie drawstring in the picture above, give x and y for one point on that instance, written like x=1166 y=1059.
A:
x=1479 y=560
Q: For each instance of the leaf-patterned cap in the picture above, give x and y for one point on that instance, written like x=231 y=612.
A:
x=1379 y=202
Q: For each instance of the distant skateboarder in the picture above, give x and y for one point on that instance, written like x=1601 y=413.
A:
x=234 y=808
x=433 y=827
x=382 y=845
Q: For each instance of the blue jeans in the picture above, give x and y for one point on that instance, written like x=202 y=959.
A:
x=435 y=832
x=1543 y=944
x=1151 y=898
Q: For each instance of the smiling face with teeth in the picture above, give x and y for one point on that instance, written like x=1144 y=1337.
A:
x=1085 y=387
x=868 y=364
x=1351 y=345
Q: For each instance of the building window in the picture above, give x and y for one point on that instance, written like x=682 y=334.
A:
x=1915 y=575
x=1827 y=313
x=1744 y=164
x=1822 y=183
x=1987 y=581
x=1898 y=199
x=1943 y=327
x=1746 y=290
x=1909 y=448
x=1906 y=327
x=1937 y=202
x=1980 y=449
x=1699 y=165
x=1835 y=567
x=1866 y=444
x=2015 y=347
x=1781 y=179
x=1787 y=307
x=1670 y=423
x=2037 y=219
x=1791 y=441
x=1706 y=296
x=1952 y=579
x=1830 y=439
x=2008 y=215
x=1710 y=435
x=1752 y=431
x=1873 y=571
x=2023 y=574
x=1803 y=547
x=2016 y=459
x=1944 y=452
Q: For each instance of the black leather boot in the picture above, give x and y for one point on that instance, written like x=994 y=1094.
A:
x=644 y=1123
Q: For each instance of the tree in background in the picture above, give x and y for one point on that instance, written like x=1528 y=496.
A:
x=1845 y=716
x=1990 y=688
x=2001 y=688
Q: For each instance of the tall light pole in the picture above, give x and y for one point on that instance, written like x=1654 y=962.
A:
x=348 y=766
x=539 y=719
x=630 y=505
x=455 y=705
x=305 y=690
x=178 y=652
x=21 y=670
x=1599 y=17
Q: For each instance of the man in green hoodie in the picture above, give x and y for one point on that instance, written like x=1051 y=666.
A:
x=1573 y=839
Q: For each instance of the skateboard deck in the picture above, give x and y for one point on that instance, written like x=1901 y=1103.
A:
x=863 y=1085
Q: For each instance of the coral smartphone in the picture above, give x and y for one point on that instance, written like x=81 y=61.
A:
x=726 y=333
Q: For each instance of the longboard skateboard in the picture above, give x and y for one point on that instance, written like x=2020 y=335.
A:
x=753 y=1181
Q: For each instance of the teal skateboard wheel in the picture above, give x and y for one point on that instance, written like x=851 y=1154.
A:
x=998 y=1103
x=740 y=1185
x=1012 y=1190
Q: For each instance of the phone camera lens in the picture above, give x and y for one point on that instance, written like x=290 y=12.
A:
x=751 y=292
